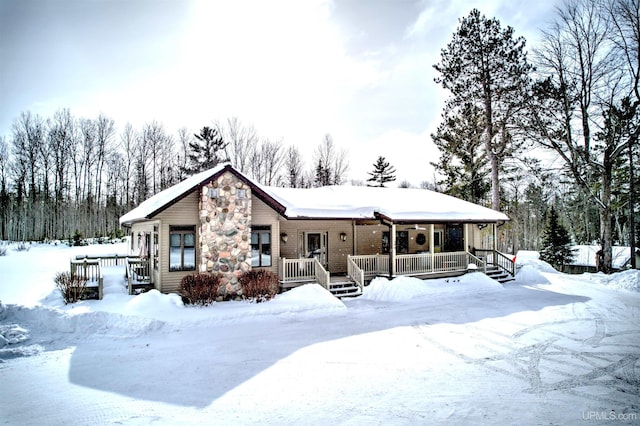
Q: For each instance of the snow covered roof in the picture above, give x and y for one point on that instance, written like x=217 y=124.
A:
x=334 y=202
x=165 y=198
x=585 y=255
x=396 y=204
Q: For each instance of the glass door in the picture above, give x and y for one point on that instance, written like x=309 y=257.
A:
x=315 y=245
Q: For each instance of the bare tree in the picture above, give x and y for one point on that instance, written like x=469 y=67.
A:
x=331 y=165
x=583 y=86
x=184 y=139
x=294 y=166
x=28 y=137
x=128 y=147
x=242 y=142
x=62 y=137
x=271 y=161
x=158 y=142
x=5 y=202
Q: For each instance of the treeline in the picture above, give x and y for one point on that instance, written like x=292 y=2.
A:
x=577 y=96
x=63 y=175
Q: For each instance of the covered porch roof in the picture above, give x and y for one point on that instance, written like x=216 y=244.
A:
x=393 y=205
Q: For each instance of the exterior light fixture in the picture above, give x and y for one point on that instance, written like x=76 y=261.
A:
x=343 y=236
x=284 y=237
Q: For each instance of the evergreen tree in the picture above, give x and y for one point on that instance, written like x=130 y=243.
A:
x=485 y=67
x=556 y=244
x=323 y=175
x=383 y=172
x=463 y=162
x=206 y=151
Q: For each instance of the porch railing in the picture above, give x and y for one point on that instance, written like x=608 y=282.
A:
x=307 y=269
x=90 y=271
x=138 y=273
x=417 y=264
x=105 y=259
x=505 y=262
x=372 y=264
x=355 y=273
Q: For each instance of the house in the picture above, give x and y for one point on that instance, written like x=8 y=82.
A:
x=339 y=236
x=584 y=259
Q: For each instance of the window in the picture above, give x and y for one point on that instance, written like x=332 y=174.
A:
x=260 y=246
x=182 y=248
x=402 y=242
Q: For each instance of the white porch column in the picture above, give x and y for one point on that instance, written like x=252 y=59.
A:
x=465 y=236
x=432 y=249
x=392 y=250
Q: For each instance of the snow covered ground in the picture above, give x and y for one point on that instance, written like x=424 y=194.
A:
x=546 y=349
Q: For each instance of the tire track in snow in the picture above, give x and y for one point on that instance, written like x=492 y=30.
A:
x=559 y=363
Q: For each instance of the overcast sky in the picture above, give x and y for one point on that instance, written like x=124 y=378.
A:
x=360 y=70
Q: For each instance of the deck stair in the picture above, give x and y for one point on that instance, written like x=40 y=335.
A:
x=499 y=274
x=342 y=286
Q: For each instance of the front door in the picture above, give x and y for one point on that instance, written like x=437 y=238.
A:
x=454 y=238
x=315 y=245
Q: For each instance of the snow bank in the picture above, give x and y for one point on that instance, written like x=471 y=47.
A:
x=403 y=289
x=531 y=274
x=308 y=296
x=153 y=302
x=625 y=280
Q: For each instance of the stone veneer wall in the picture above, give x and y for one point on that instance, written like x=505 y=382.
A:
x=225 y=231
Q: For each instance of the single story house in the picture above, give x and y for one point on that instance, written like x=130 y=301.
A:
x=221 y=221
x=584 y=259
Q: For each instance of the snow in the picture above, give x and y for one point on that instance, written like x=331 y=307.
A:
x=169 y=195
x=547 y=348
x=585 y=255
x=347 y=202
x=406 y=288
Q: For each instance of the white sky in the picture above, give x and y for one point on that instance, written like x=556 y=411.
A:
x=361 y=70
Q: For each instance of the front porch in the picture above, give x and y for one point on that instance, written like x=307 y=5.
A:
x=361 y=269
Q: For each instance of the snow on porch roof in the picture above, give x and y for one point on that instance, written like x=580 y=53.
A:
x=397 y=204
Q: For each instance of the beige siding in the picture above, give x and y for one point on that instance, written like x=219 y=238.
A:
x=184 y=212
x=337 y=250
x=369 y=239
x=263 y=215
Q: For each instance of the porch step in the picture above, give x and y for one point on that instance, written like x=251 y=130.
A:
x=499 y=275
x=345 y=288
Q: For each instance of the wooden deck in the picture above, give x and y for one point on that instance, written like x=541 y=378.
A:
x=137 y=272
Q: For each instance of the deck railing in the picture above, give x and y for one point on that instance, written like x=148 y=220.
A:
x=372 y=264
x=417 y=264
x=355 y=273
x=498 y=259
x=105 y=259
x=413 y=264
x=90 y=271
x=138 y=273
x=307 y=269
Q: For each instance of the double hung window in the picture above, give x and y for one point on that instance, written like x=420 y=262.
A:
x=182 y=248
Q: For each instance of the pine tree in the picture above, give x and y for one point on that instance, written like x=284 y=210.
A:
x=383 y=172
x=485 y=67
x=206 y=151
x=556 y=244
